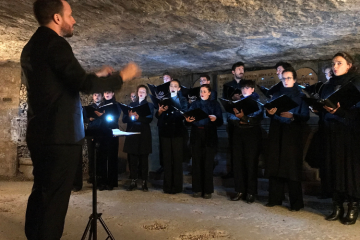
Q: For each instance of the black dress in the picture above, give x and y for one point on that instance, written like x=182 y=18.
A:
x=171 y=131
x=107 y=163
x=342 y=142
x=285 y=153
x=203 y=141
x=138 y=146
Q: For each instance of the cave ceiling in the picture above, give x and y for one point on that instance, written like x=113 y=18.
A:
x=192 y=36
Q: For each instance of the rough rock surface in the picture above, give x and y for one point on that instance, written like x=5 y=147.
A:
x=194 y=35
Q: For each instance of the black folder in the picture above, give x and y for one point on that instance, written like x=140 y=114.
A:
x=314 y=103
x=348 y=95
x=248 y=105
x=230 y=91
x=190 y=93
x=165 y=101
x=197 y=113
x=264 y=90
x=142 y=110
x=162 y=88
x=90 y=111
x=282 y=103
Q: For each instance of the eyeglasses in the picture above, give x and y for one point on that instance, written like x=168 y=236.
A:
x=288 y=78
x=133 y=96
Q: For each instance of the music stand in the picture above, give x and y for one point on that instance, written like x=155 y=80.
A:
x=95 y=216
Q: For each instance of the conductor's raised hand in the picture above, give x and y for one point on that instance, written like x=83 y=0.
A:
x=189 y=119
x=237 y=113
x=99 y=114
x=130 y=72
x=105 y=71
x=271 y=111
x=212 y=118
x=332 y=110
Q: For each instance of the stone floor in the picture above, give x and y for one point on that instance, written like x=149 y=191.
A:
x=155 y=215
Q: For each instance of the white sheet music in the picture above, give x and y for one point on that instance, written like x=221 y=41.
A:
x=118 y=132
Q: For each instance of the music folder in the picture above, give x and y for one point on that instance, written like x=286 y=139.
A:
x=282 y=103
x=142 y=110
x=247 y=105
x=197 y=113
x=90 y=111
x=165 y=101
x=190 y=93
x=155 y=90
x=347 y=95
x=231 y=91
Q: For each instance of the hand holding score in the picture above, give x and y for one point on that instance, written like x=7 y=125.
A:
x=286 y=115
x=238 y=114
x=99 y=114
x=271 y=111
x=131 y=113
x=190 y=119
x=212 y=118
x=162 y=109
x=332 y=110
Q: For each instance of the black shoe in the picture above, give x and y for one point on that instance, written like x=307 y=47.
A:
x=269 y=204
x=352 y=214
x=338 y=212
x=110 y=188
x=237 y=197
x=250 y=198
x=228 y=175
x=144 y=186
x=196 y=194
x=76 y=189
x=102 y=187
x=207 y=195
x=132 y=186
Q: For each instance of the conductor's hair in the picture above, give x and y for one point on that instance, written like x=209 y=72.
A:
x=205 y=76
x=292 y=70
x=238 y=64
x=176 y=80
x=206 y=86
x=283 y=64
x=247 y=83
x=44 y=10
x=142 y=86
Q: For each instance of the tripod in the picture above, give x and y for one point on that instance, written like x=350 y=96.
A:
x=95 y=216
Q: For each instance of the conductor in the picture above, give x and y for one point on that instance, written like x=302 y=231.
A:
x=55 y=130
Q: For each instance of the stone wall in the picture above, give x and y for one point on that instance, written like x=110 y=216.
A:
x=9 y=111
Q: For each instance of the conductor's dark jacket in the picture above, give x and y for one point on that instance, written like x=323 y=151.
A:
x=53 y=78
x=139 y=143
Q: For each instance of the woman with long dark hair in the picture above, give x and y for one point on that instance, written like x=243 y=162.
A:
x=342 y=142
x=138 y=146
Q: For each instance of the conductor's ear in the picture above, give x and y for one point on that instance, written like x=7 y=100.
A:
x=57 y=18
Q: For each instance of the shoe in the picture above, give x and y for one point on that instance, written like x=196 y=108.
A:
x=110 y=188
x=196 y=194
x=144 y=186
x=237 y=197
x=352 y=214
x=272 y=204
x=89 y=181
x=76 y=189
x=160 y=170
x=228 y=175
x=250 y=198
x=207 y=195
x=293 y=209
x=102 y=187
x=338 y=212
x=132 y=186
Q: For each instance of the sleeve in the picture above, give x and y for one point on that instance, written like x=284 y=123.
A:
x=213 y=95
x=302 y=114
x=148 y=119
x=218 y=113
x=62 y=61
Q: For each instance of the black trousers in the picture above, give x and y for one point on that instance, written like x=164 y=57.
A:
x=107 y=163
x=54 y=172
x=91 y=154
x=139 y=162
x=277 y=188
x=246 y=152
x=202 y=163
x=230 y=132
x=172 y=150
x=78 y=179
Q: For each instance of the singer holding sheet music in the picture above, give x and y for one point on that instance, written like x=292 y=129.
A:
x=203 y=140
x=342 y=142
x=247 y=138
x=139 y=146
x=285 y=153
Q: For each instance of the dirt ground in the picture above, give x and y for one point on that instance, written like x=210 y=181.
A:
x=156 y=216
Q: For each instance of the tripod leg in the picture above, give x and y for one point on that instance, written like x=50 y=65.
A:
x=110 y=236
x=87 y=228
